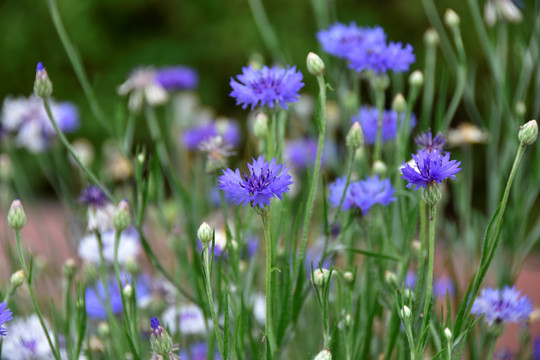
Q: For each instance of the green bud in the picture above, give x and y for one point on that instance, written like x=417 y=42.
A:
x=416 y=249
x=380 y=82
x=16 y=216
x=315 y=64
x=70 y=267
x=90 y=273
x=103 y=330
x=121 y=219
x=205 y=233
x=390 y=278
x=528 y=133
x=260 y=127
x=160 y=341
x=451 y=19
x=355 y=137
x=17 y=279
x=405 y=312
x=520 y=108
x=448 y=334
x=348 y=276
x=320 y=277
x=432 y=193
x=132 y=266
x=324 y=355
x=416 y=79
x=431 y=37
x=42 y=84
x=128 y=291
x=379 y=168
x=399 y=104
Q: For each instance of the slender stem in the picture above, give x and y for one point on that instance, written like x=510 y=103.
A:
x=431 y=255
x=429 y=87
x=69 y=148
x=33 y=295
x=491 y=346
x=67 y=310
x=265 y=217
x=265 y=28
x=379 y=102
x=350 y=161
x=210 y=297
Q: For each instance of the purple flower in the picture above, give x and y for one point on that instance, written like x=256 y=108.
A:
x=154 y=324
x=368 y=118
x=426 y=141
x=504 y=306
x=5 y=316
x=362 y=194
x=381 y=57
x=301 y=153
x=267 y=87
x=266 y=180
x=177 y=78
x=198 y=351
x=536 y=349
x=340 y=39
x=93 y=196
x=192 y=137
x=442 y=286
x=429 y=167
x=410 y=280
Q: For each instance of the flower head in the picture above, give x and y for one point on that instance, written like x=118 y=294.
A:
x=504 y=306
x=100 y=209
x=426 y=141
x=267 y=87
x=429 y=167
x=143 y=88
x=362 y=194
x=381 y=57
x=340 y=39
x=265 y=181
x=177 y=78
x=368 y=117
x=5 y=316
x=128 y=247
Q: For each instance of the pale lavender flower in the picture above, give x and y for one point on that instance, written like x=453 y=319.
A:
x=368 y=117
x=442 y=286
x=143 y=88
x=177 y=78
x=100 y=209
x=381 y=57
x=198 y=351
x=302 y=153
x=129 y=247
x=362 y=194
x=502 y=306
x=27 y=341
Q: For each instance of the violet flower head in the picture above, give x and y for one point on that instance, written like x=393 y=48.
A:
x=429 y=167
x=340 y=39
x=265 y=181
x=198 y=351
x=363 y=194
x=302 y=153
x=193 y=137
x=93 y=196
x=502 y=306
x=267 y=87
x=381 y=57
x=443 y=286
x=177 y=78
x=5 y=316
x=426 y=141
x=368 y=117
x=156 y=327
x=337 y=188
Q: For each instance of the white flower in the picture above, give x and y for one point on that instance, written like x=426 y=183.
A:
x=128 y=247
x=188 y=320
x=101 y=217
x=143 y=86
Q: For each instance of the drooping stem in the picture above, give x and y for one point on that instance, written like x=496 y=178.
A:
x=271 y=342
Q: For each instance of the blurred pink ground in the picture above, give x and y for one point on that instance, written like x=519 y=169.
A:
x=45 y=235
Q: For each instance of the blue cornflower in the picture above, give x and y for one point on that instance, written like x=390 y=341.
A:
x=266 y=180
x=5 y=316
x=368 y=117
x=429 y=167
x=194 y=136
x=177 y=78
x=340 y=39
x=426 y=141
x=93 y=196
x=198 y=351
x=362 y=194
x=267 y=87
x=381 y=57
x=502 y=306
x=442 y=286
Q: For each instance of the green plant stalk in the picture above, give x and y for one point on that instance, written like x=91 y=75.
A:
x=461 y=79
x=265 y=28
x=78 y=67
x=431 y=255
x=321 y=122
x=492 y=339
x=429 y=87
x=69 y=148
x=271 y=341
x=210 y=296
x=67 y=310
x=350 y=161
x=449 y=349
x=379 y=102
x=28 y=276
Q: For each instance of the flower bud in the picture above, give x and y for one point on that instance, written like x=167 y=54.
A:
x=160 y=340
x=90 y=273
x=416 y=249
x=17 y=279
x=128 y=291
x=260 y=127
x=324 y=355
x=121 y=219
x=205 y=233
x=432 y=193
x=520 y=108
x=528 y=133
x=103 y=329
x=70 y=267
x=390 y=278
x=416 y=79
x=348 y=276
x=379 y=168
x=315 y=64
x=355 y=137
x=42 y=84
x=399 y=104
x=431 y=37
x=451 y=19
x=140 y=158
x=380 y=82
x=490 y=13
x=320 y=277
x=16 y=216
x=132 y=266
x=448 y=334
x=405 y=312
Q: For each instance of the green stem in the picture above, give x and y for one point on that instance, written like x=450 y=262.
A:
x=210 y=296
x=265 y=28
x=67 y=309
x=78 y=67
x=431 y=256
x=265 y=217
x=429 y=87
x=28 y=276
x=379 y=102
x=69 y=148
x=491 y=347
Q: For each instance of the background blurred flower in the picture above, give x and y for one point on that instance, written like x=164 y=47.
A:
x=187 y=320
x=26 y=341
x=504 y=306
x=177 y=78
x=362 y=194
x=142 y=87
x=5 y=316
x=340 y=39
x=100 y=209
x=198 y=351
x=368 y=117
x=128 y=247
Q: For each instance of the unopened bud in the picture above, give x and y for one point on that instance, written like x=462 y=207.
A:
x=17 y=279
x=42 y=84
x=355 y=137
x=205 y=233
x=416 y=248
x=16 y=216
x=448 y=334
x=160 y=340
x=451 y=18
x=379 y=168
x=90 y=273
x=432 y=193
x=380 y=82
x=520 y=108
x=103 y=330
x=128 y=291
x=121 y=219
x=528 y=132
x=399 y=104
x=348 y=276
x=431 y=37
x=416 y=79
x=140 y=158
x=260 y=127
x=320 y=277
x=315 y=64
x=324 y=355
x=390 y=278
x=405 y=312
x=132 y=266
x=70 y=267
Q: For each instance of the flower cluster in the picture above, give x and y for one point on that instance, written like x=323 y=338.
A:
x=267 y=87
x=429 y=167
x=368 y=118
x=502 y=306
x=26 y=120
x=366 y=48
x=362 y=194
x=266 y=180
